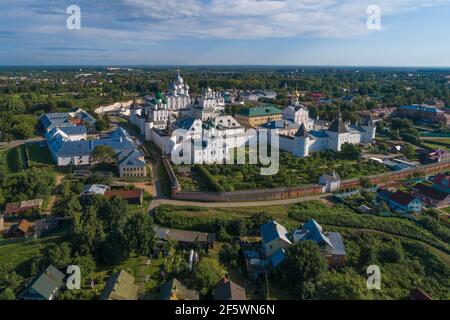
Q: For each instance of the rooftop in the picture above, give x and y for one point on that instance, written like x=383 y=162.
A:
x=273 y=230
x=229 y=290
x=260 y=111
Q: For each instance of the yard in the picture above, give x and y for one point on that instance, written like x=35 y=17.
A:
x=39 y=155
x=436 y=143
x=292 y=172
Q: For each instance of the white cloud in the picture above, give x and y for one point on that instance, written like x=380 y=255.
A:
x=153 y=20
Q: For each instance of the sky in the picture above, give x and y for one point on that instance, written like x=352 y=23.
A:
x=225 y=32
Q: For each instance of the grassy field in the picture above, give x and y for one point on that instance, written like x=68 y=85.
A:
x=39 y=155
x=437 y=143
x=13 y=160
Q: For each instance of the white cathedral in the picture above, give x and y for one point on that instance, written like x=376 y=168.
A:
x=158 y=117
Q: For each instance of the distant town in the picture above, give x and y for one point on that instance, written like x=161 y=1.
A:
x=88 y=178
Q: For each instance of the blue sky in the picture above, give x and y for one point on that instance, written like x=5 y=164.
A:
x=233 y=32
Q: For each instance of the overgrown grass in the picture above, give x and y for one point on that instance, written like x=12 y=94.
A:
x=39 y=155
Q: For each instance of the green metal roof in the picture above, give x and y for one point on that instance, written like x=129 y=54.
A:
x=45 y=284
x=268 y=110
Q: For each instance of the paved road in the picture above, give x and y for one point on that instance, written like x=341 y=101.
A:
x=16 y=143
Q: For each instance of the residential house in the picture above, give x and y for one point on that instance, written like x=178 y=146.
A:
x=331 y=243
x=18 y=208
x=132 y=165
x=255 y=264
x=20 y=230
x=442 y=182
x=426 y=113
x=229 y=290
x=400 y=201
x=120 y=286
x=134 y=196
x=45 y=286
x=331 y=183
x=186 y=239
x=434 y=156
x=175 y=290
x=431 y=196
x=274 y=238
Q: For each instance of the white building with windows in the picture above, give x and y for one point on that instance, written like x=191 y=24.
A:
x=304 y=142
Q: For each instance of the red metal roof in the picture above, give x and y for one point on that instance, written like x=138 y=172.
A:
x=125 y=194
x=402 y=198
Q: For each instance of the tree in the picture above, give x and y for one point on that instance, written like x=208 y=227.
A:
x=58 y=255
x=339 y=286
x=230 y=253
x=207 y=274
x=87 y=231
x=140 y=234
x=350 y=152
x=101 y=125
x=364 y=182
x=87 y=265
x=104 y=154
x=257 y=220
x=301 y=268
x=409 y=151
x=8 y=294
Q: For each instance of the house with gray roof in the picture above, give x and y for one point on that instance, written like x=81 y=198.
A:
x=274 y=237
x=132 y=164
x=74 y=118
x=45 y=286
x=331 y=243
x=120 y=286
x=55 y=120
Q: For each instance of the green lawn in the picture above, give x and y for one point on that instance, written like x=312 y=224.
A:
x=436 y=143
x=13 y=159
x=39 y=155
x=18 y=253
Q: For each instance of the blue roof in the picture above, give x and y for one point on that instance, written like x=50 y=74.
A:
x=132 y=159
x=273 y=230
x=185 y=123
x=118 y=140
x=280 y=124
x=421 y=108
x=77 y=130
x=52 y=120
x=318 y=134
x=277 y=257
x=312 y=231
